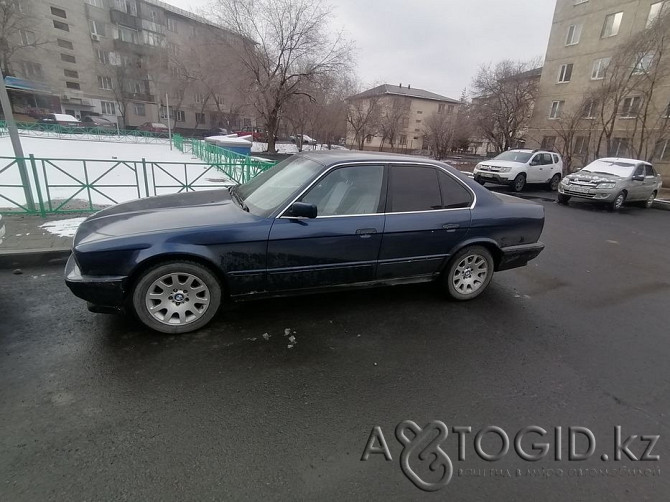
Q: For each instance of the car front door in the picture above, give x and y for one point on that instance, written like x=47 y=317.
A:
x=339 y=246
x=428 y=213
x=636 y=189
x=539 y=168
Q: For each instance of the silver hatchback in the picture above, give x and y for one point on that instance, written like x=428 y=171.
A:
x=612 y=181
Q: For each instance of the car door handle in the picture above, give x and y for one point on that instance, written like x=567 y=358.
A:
x=451 y=226
x=365 y=233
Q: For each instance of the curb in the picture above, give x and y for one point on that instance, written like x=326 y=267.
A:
x=33 y=257
x=661 y=204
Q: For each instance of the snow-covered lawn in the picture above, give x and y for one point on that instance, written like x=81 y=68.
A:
x=115 y=169
x=290 y=148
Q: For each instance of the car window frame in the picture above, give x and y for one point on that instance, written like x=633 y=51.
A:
x=281 y=213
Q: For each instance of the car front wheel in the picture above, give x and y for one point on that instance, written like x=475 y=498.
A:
x=618 y=201
x=469 y=273
x=176 y=297
x=519 y=182
x=563 y=199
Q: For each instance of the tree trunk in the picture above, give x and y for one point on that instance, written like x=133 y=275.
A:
x=271 y=127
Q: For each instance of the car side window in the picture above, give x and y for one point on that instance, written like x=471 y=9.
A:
x=414 y=188
x=555 y=159
x=650 y=170
x=546 y=159
x=347 y=191
x=454 y=194
x=639 y=171
x=536 y=160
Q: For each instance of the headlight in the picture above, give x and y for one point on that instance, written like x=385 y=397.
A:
x=565 y=181
x=606 y=186
x=505 y=169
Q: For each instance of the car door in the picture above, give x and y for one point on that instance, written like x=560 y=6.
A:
x=339 y=246
x=636 y=188
x=649 y=181
x=428 y=213
x=535 y=167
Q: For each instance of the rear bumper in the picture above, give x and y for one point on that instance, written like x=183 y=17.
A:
x=519 y=256
x=101 y=291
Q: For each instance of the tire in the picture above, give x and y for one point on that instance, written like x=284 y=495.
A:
x=519 y=182
x=618 y=202
x=563 y=199
x=555 y=181
x=479 y=180
x=650 y=201
x=468 y=273
x=164 y=285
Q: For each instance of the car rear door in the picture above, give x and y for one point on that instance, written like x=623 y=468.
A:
x=339 y=246
x=428 y=213
x=636 y=189
x=650 y=181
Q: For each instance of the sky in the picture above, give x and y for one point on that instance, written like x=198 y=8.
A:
x=437 y=45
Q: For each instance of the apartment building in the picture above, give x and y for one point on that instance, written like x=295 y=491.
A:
x=405 y=106
x=605 y=86
x=125 y=60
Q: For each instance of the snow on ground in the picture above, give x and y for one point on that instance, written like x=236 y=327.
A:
x=167 y=170
x=289 y=148
x=63 y=228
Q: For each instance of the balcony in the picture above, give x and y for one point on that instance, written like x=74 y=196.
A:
x=124 y=19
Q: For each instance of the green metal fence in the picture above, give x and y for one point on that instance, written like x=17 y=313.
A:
x=240 y=168
x=56 y=186
x=40 y=129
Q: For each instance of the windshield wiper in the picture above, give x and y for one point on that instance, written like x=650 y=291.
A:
x=238 y=198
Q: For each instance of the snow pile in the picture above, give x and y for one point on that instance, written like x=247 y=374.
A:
x=63 y=228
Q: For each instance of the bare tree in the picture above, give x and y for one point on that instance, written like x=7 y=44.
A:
x=16 y=32
x=439 y=129
x=393 y=115
x=504 y=101
x=363 y=117
x=568 y=125
x=284 y=44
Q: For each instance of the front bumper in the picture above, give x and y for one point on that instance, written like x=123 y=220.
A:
x=594 y=194
x=518 y=256
x=502 y=178
x=101 y=291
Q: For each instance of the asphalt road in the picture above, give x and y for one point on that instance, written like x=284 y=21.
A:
x=96 y=408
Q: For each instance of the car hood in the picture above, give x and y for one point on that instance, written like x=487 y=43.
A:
x=593 y=177
x=159 y=214
x=501 y=163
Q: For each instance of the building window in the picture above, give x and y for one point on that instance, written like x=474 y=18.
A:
x=173 y=49
x=418 y=121
x=556 y=107
x=27 y=37
x=612 y=25
x=590 y=109
x=631 y=107
x=172 y=24
x=68 y=58
x=657 y=10
x=180 y=116
x=73 y=85
x=440 y=108
x=600 y=68
x=105 y=83
x=108 y=108
x=103 y=56
x=65 y=44
x=643 y=63
x=140 y=109
x=574 y=34
x=619 y=147
x=199 y=98
x=127 y=6
x=404 y=123
x=663 y=150
x=200 y=118
x=32 y=70
x=565 y=73
x=450 y=109
x=134 y=86
x=581 y=145
x=548 y=142
x=127 y=35
x=96 y=3
x=96 y=27
x=61 y=26
x=419 y=112
x=403 y=140
x=58 y=12
x=71 y=73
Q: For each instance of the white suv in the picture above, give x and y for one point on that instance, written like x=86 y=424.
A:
x=518 y=167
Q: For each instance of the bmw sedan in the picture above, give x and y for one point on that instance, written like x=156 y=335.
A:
x=314 y=222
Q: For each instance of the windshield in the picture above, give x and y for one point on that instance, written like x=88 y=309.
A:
x=512 y=156
x=616 y=168
x=267 y=191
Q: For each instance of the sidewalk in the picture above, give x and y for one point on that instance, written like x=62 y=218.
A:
x=26 y=242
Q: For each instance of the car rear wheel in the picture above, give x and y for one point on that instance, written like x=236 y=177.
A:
x=618 y=202
x=519 y=182
x=563 y=199
x=555 y=181
x=650 y=201
x=176 y=297
x=469 y=273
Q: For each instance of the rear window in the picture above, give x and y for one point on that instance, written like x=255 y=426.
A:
x=454 y=194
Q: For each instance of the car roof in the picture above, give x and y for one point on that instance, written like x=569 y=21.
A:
x=622 y=159
x=64 y=117
x=326 y=157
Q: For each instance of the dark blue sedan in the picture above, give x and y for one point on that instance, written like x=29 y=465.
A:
x=313 y=222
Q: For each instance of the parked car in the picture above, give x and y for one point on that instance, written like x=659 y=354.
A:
x=316 y=221
x=95 y=121
x=155 y=127
x=60 y=119
x=256 y=133
x=612 y=181
x=517 y=168
x=2 y=229
x=306 y=140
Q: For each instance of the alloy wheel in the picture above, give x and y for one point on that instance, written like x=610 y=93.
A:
x=177 y=298
x=470 y=274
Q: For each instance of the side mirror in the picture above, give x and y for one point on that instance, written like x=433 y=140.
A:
x=301 y=210
x=638 y=177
